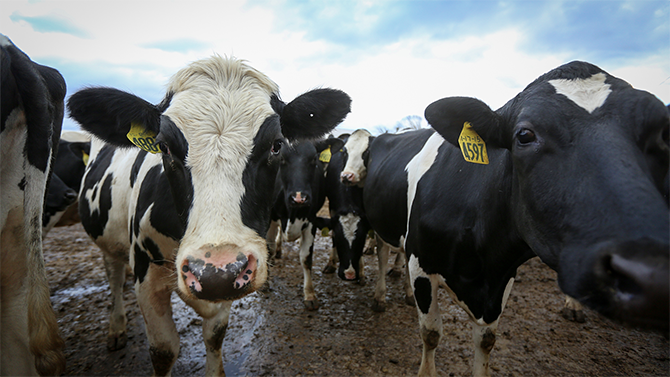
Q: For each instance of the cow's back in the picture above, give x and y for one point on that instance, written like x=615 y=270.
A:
x=385 y=193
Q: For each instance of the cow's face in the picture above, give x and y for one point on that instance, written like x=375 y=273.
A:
x=356 y=154
x=590 y=156
x=220 y=131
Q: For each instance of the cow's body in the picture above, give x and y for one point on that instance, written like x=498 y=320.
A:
x=575 y=175
x=68 y=169
x=302 y=193
x=194 y=217
x=32 y=116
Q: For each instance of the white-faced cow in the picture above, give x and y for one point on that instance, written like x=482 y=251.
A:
x=194 y=215
x=302 y=192
x=32 y=116
x=572 y=169
x=384 y=205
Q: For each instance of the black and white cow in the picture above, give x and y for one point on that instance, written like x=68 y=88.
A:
x=302 y=193
x=348 y=222
x=32 y=116
x=194 y=216
x=384 y=201
x=574 y=173
x=68 y=169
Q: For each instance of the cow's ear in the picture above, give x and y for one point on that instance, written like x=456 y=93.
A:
x=332 y=143
x=80 y=149
x=449 y=115
x=313 y=114
x=109 y=114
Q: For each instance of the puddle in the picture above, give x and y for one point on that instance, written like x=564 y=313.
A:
x=77 y=292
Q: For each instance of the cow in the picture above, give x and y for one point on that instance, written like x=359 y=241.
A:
x=69 y=165
x=570 y=170
x=302 y=193
x=59 y=197
x=191 y=217
x=32 y=117
x=385 y=211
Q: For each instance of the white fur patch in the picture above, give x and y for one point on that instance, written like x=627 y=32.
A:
x=349 y=225
x=418 y=166
x=589 y=93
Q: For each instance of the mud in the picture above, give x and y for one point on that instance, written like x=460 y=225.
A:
x=271 y=334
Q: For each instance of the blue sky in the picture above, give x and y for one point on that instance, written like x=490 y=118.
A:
x=392 y=57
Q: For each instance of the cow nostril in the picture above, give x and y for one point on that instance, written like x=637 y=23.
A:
x=624 y=274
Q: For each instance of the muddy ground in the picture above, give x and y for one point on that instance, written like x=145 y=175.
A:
x=272 y=334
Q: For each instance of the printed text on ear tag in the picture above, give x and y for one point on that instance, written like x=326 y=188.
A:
x=143 y=138
x=472 y=145
x=325 y=155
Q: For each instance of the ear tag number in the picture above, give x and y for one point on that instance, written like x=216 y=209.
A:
x=325 y=155
x=142 y=138
x=84 y=157
x=472 y=146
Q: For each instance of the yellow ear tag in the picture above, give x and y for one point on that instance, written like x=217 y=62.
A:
x=325 y=155
x=324 y=232
x=84 y=157
x=472 y=146
x=142 y=138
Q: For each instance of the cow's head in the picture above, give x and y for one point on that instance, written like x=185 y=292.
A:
x=220 y=131
x=356 y=155
x=590 y=156
x=303 y=163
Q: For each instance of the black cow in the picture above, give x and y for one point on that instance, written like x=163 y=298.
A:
x=571 y=169
x=301 y=195
x=32 y=117
x=193 y=216
x=69 y=166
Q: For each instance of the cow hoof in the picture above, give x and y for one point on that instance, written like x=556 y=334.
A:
x=378 y=306
x=117 y=342
x=394 y=273
x=409 y=300
x=573 y=315
x=311 y=304
x=329 y=269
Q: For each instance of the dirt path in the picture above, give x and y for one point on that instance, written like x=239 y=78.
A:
x=270 y=333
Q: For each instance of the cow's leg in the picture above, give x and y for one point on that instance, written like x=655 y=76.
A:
x=274 y=234
x=379 y=302
x=361 y=271
x=153 y=296
x=573 y=310
x=484 y=338
x=407 y=284
x=115 y=267
x=430 y=321
x=331 y=267
x=398 y=265
x=306 y=257
x=213 y=331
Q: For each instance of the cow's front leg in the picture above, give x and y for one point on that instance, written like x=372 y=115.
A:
x=430 y=321
x=484 y=338
x=331 y=266
x=379 y=302
x=115 y=267
x=273 y=240
x=153 y=295
x=214 y=326
x=306 y=257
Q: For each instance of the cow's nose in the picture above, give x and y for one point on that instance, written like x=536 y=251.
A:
x=347 y=178
x=300 y=198
x=219 y=273
x=70 y=196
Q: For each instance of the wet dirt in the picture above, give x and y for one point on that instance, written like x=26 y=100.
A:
x=271 y=334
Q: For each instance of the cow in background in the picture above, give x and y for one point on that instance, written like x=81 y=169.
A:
x=68 y=169
x=302 y=192
x=186 y=186
x=32 y=117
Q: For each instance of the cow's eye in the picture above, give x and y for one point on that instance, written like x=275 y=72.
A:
x=276 y=146
x=164 y=147
x=525 y=136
